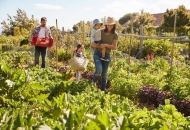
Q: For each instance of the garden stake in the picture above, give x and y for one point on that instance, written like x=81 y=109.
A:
x=173 y=45
x=83 y=31
x=130 y=39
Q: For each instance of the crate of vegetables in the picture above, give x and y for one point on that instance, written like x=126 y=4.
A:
x=43 y=42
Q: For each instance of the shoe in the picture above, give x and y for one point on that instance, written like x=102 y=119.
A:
x=94 y=83
x=104 y=59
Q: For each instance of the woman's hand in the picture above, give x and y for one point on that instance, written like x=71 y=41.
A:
x=113 y=46
x=103 y=46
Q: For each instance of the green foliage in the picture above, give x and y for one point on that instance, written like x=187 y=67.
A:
x=182 y=16
x=20 y=32
x=182 y=20
x=127 y=79
x=159 y=47
x=17 y=31
x=126 y=18
x=68 y=86
x=142 y=18
x=7 y=43
x=19 y=24
x=149 y=30
x=24 y=42
x=35 y=98
x=124 y=45
x=63 y=55
x=17 y=59
x=11 y=40
x=145 y=18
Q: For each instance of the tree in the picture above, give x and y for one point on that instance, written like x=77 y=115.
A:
x=182 y=20
x=8 y=27
x=21 y=21
x=126 y=18
x=119 y=28
x=17 y=31
x=143 y=19
x=183 y=17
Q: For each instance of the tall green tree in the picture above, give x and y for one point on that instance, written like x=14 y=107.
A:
x=144 y=18
x=126 y=18
x=183 y=17
x=21 y=21
x=8 y=27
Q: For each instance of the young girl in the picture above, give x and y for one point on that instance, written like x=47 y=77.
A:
x=79 y=52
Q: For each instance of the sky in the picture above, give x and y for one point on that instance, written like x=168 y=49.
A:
x=70 y=12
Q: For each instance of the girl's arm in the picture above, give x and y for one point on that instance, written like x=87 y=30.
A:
x=75 y=54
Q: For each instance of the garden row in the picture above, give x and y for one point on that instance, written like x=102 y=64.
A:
x=31 y=96
x=151 y=96
x=42 y=98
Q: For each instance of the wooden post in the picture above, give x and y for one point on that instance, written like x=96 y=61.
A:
x=70 y=43
x=76 y=36
x=173 y=44
x=189 y=51
x=104 y=20
x=83 y=32
x=130 y=40
x=63 y=31
x=56 y=46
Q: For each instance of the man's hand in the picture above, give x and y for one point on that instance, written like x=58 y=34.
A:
x=47 y=40
x=38 y=41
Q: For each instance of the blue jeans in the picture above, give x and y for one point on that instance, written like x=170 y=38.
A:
x=101 y=68
x=43 y=51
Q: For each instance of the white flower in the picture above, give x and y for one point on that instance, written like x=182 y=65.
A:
x=91 y=116
x=44 y=127
x=10 y=83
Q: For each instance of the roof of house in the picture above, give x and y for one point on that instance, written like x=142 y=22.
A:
x=158 y=20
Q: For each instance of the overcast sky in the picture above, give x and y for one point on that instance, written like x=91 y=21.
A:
x=69 y=12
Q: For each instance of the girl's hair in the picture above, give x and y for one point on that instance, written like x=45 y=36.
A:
x=79 y=46
x=113 y=29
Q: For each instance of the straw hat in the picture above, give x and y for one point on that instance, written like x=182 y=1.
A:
x=110 y=21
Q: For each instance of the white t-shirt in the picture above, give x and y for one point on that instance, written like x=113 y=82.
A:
x=42 y=32
x=95 y=35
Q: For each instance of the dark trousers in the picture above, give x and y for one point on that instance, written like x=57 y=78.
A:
x=43 y=51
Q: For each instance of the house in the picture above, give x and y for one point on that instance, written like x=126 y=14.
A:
x=158 y=19
x=157 y=22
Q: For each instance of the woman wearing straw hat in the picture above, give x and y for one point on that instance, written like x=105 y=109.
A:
x=109 y=39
